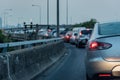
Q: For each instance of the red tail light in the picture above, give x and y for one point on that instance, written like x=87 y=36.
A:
x=99 y=45
x=80 y=33
x=67 y=37
x=104 y=75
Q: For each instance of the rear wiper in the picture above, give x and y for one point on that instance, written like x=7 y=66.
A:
x=109 y=36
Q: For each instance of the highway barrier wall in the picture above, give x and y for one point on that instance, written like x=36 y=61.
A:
x=26 y=63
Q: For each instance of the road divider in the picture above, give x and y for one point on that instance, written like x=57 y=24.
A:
x=24 y=64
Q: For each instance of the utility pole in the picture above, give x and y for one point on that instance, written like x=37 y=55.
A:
x=48 y=13
x=66 y=12
x=5 y=15
x=39 y=6
x=57 y=18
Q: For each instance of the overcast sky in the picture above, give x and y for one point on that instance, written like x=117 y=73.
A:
x=78 y=11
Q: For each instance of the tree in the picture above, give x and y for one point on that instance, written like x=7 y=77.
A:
x=3 y=38
x=87 y=24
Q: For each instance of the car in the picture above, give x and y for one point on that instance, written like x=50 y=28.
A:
x=67 y=36
x=103 y=52
x=73 y=37
x=62 y=34
x=83 y=37
x=43 y=34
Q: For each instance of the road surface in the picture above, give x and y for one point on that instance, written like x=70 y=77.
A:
x=70 y=67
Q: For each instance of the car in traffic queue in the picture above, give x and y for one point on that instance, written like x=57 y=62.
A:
x=73 y=37
x=67 y=36
x=83 y=37
x=103 y=52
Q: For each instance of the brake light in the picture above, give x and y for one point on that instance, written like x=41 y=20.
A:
x=99 y=45
x=80 y=33
x=67 y=37
x=49 y=30
x=93 y=45
x=104 y=75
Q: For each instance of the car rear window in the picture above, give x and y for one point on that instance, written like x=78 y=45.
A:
x=86 y=32
x=109 y=29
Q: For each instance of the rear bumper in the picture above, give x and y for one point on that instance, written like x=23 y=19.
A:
x=97 y=66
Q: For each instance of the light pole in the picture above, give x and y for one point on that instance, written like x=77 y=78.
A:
x=5 y=15
x=48 y=13
x=39 y=12
x=57 y=18
x=7 y=24
x=66 y=12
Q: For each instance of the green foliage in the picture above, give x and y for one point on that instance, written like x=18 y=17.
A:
x=87 y=24
x=3 y=38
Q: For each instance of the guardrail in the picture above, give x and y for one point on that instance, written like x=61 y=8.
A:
x=27 y=63
x=26 y=44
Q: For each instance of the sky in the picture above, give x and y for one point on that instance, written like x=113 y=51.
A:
x=78 y=11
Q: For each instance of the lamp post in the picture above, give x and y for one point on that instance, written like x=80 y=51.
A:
x=7 y=24
x=66 y=12
x=39 y=12
x=48 y=13
x=5 y=15
x=57 y=18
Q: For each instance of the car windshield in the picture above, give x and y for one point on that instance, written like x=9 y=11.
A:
x=109 y=29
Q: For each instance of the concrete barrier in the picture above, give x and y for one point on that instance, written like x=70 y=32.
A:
x=26 y=63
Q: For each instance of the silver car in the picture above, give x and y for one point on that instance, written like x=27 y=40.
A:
x=103 y=52
x=73 y=37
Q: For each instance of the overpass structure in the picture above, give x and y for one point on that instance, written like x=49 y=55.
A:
x=24 y=60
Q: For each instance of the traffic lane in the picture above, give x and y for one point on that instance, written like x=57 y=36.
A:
x=71 y=67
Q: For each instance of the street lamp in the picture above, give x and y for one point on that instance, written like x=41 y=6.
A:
x=66 y=12
x=7 y=24
x=57 y=18
x=39 y=12
x=6 y=12
x=48 y=13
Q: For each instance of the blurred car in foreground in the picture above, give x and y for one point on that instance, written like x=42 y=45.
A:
x=83 y=37
x=103 y=52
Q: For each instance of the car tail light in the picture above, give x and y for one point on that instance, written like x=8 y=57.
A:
x=99 y=45
x=49 y=30
x=104 y=75
x=80 y=33
x=67 y=37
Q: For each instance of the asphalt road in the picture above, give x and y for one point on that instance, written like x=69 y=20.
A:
x=70 y=67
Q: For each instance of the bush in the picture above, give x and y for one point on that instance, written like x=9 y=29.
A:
x=3 y=37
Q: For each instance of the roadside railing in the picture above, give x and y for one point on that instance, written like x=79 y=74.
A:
x=24 y=64
x=6 y=47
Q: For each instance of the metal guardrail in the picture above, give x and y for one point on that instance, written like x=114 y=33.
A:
x=24 y=43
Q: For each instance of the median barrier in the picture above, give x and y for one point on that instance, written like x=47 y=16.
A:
x=26 y=63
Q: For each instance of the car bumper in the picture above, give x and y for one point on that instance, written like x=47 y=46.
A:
x=97 y=66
